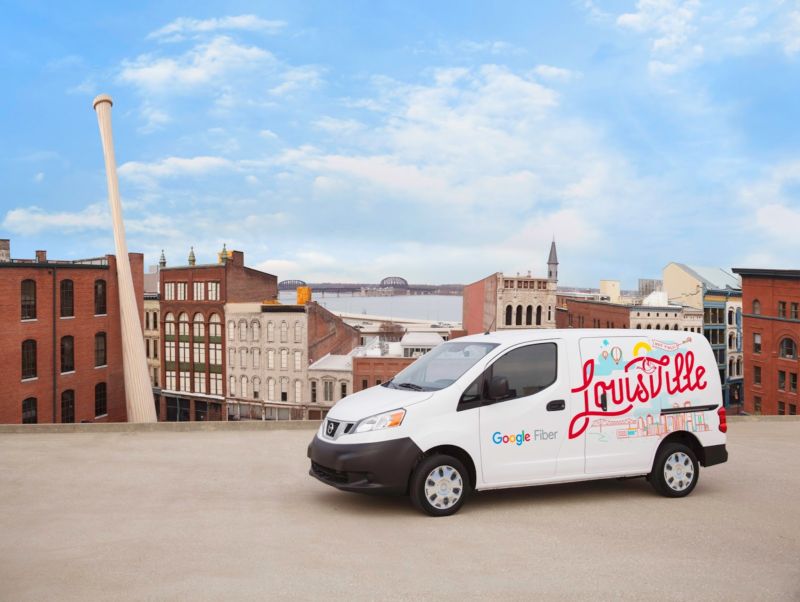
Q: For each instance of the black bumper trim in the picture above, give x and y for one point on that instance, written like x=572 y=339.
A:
x=381 y=467
x=714 y=454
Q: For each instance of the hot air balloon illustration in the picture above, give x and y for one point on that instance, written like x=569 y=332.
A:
x=616 y=354
x=605 y=354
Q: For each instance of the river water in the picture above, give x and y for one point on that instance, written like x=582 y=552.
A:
x=422 y=307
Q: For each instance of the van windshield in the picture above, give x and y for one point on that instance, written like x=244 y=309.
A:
x=440 y=367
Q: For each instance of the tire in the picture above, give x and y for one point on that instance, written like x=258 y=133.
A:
x=675 y=471
x=436 y=482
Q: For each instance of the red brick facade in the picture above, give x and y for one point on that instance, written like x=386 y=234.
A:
x=766 y=390
x=376 y=370
x=480 y=305
x=49 y=327
x=328 y=333
x=593 y=314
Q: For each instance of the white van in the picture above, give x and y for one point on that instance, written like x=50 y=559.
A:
x=530 y=407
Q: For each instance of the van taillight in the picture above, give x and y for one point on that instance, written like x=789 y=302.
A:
x=723 y=420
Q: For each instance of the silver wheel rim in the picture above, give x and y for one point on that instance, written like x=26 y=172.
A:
x=679 y=471
x=443 y=487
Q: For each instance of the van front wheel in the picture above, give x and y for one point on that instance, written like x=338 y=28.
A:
x=675 y=471
x=439 y=485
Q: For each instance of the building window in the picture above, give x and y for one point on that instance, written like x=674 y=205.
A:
x=169 y=291
x=215 y=379
x=242 y=330
x=243 y=358
x=519 y=315
x=100 y=307
x=199 y=352
x=327 y=394
x=231 y=330
x=509 y=313
x=243 y=392
x=29 y=411
x=256 y=353
x=256 y=328
x=314 y=391
x=169 y=325
x=781 y=309
x=68 y=406
x=757 y=307
x=364 y=384
x=756 y=342
x=756 y=375
x=538 y=315
x=270 y=359
x=213 y=291
x=177 y=410
x=342 y=390
x=183 y=327
x=199 y=382
x=793 y=382
x=792 y=409
x=757 y=404
x=170 y=380
x=781 y=380
x=185 y=381
x=256 y=388
x=100 y=400
x=28 y=299
x=529 y=315
x=781 y=408
x=67 y=354
x=231 y=386
x=231 y=357
x=28 y=359
x=730 y=316
x=284 y=392
x=182 y=289
x=198 y=327
x=100 y=349
x=271 y=389
x=298 y=332
x=284 y=332
x=793 y=311
x=67 y=299
x=788 y=349
x=298 y=361
x=199 y=291
x=284 y=359
x=298 y=391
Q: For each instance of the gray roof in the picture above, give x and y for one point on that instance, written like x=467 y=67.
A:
x=553 y=258
x=713 y=278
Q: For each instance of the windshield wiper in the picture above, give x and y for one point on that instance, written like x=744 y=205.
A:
x=411 y=386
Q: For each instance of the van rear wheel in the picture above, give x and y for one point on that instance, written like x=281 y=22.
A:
x=675 y=471
x=439 y=485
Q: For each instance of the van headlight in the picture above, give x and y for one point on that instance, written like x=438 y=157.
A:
x=381 y=421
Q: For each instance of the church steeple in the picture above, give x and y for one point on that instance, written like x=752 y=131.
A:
x=552 y=262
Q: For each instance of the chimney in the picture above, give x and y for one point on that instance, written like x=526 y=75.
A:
x=41 y=256
x=5 y=250
x=237 y=258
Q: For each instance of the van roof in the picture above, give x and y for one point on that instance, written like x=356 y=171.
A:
x=505 y=337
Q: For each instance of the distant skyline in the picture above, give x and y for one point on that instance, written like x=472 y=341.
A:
x=440 y=142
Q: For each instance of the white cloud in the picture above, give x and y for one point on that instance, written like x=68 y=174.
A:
x=34 y=220
x=39 y=177
x=338 y=126
x=177 y=29
x=268 y=134
x=554 y=73
x=297 y=78
x=172 y=167
x=203 y=64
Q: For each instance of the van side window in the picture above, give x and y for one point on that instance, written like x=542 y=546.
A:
x=528 y=369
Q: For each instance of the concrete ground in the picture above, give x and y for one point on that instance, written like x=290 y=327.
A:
x=234 y=515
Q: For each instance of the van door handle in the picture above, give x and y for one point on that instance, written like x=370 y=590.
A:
x=556 y=405
x=604 y=402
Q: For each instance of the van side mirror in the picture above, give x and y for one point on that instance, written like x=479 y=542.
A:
x=498 y=388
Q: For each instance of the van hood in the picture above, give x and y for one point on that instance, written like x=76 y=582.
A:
x=375 y=401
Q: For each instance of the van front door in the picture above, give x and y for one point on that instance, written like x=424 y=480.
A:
x=524 y=415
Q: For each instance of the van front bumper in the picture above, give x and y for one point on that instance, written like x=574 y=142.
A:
x=381 y=467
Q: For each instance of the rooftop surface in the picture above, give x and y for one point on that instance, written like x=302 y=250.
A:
x=233 y=514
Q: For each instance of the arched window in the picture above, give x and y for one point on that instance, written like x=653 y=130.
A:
x=739 y=366
x=29 y=359
x=198 y=326
x=529 y=315
x=730 y=368
x=100 y=349
x=298 y=361
x=99 y=297
x=730 y=316
x=28 y=299
x=270 y=332
x=519 y=315
x=271 y=389
x=242 y=330
x=231 y=330
x=639 y=326
x=68 y=406
x=298 y=391
x=675 y=327
x=649 y=327
x=255 y=327
x=298 y=332
x=538 y=315
x=509 y=313
x=214 y=326
x=100 y=400
x=169 y=324
x=732 y=341
x=232 y=386
x=67 y=299
x=756 y=307
x=788 y=349
x=255 y=352
x=284 y=332
x=67 y=354
x=29 y=411
x=658 y=326
x=284 y=359
x=183 y=325
x=256 y=387
x=244 y=386
x=270 y=359
x=243 y=358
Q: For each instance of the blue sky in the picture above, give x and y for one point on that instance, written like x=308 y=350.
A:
x=439 y=141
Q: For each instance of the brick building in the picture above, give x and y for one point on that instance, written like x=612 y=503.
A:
x=270 y=349
x=193 y=298
x=771 y=334
x=62 y=352
x=369 y=371
x=501 y=301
